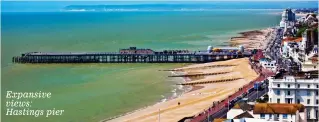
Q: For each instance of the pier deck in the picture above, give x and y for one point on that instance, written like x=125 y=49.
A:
x=127 y=57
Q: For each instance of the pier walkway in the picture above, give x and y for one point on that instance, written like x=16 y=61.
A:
x=117 y=57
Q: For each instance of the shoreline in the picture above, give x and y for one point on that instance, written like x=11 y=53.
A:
x=254 y=39
x=258 y=39
x=300 y=14
x=185 y=90
x=201 y=96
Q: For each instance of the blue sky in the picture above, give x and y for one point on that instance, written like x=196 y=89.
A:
x=159 y=0
x=56 y=5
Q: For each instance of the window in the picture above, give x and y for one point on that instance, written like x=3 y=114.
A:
x=288 y=85
x=289 y=100
x=308 y=101
x=308 y=113
x=298 y=85
x=308 y=93
x=278 y=85
x=278 y=100
x=298 y=101
x=270 y=116
x=288 y=92
x=316 y=93
x=317 y=86
x=284 y=116
x=317 y=102
x=308 y=86
x=262 y=116
x=278 y=92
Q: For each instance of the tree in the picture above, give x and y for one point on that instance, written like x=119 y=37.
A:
x=300 y=31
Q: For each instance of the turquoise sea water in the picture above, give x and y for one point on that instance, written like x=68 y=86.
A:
x=91 y=92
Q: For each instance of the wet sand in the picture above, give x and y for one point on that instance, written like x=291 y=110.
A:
x=256 y=39
x=201 y=96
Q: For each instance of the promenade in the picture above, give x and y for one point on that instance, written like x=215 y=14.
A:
x=202 y=96
x=225 y=103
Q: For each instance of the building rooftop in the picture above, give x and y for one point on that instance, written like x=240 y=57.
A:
x=244 y=115
x=243 y=106
x=266 y=60
x=259 y=54
x=219 y=120
x=291 y=39
x=275 y=108
x=314 y=58
x=299 y=75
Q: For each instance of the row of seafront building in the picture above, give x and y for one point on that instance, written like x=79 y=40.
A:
x=293 y=91
x=300 y=47
x=301 y=88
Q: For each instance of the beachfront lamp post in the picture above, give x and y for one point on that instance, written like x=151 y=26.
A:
x=257 y=91
x=208 y=116
x=228 y=102
x=247 y=95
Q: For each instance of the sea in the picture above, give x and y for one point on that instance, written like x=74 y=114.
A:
x=93 y=92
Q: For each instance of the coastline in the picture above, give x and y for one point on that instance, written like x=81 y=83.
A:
x=254 y=39
x=138 y=91
x=200 y=97
x=300 y=14
x=194 y=102
x=171 y=97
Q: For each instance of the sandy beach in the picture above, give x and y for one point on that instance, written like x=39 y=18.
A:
x=206 y=89
x=202 y=96
x=256 y=39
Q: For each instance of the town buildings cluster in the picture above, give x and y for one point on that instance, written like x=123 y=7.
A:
x=293 y=92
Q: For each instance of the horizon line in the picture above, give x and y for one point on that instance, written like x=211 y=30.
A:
x=158 y=1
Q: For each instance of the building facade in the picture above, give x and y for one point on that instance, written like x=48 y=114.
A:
x=269 y=112
x=269 y=64
x=296 y=90
x=287 y=17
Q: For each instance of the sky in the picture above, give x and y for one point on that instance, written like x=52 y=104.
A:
x=159 y=0
x=56 y=5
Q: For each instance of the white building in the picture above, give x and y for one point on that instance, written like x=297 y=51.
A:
x=308 y=51
x=268 y=64
x=290 y=49
x=311 y=64
x=287 y=22
x=270 y=112
x=247 y=120
x=302 y=50
x=287 y=17
x=301 y=89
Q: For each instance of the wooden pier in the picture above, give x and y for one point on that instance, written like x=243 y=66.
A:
x=127 y=57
